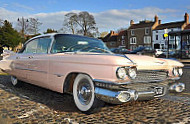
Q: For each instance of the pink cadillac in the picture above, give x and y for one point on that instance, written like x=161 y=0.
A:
x=85 y=68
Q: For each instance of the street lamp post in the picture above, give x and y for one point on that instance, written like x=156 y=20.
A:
x=24 y=25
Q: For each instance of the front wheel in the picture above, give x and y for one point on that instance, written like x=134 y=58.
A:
x=84 y=96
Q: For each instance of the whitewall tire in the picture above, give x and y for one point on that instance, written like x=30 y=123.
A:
x=84 y=96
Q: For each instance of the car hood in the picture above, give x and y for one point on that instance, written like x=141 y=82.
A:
x=147 y=62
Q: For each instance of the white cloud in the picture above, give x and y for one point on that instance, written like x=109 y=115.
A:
x=9 y=15
x=115 y=19
x=106 y=20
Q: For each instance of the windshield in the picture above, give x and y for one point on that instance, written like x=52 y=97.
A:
x=74 y=43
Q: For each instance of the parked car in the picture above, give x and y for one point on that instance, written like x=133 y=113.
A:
x=174 y=54
x=120 y=50
x=139 y=49
x=159 y=52
x=87 y=69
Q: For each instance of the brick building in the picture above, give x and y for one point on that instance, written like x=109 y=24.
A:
x=111 y=39
x=140 y=34
x=122 y=40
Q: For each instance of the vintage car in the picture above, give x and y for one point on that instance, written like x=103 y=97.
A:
x=85 y=68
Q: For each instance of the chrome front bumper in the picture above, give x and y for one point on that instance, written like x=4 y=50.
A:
x=118 y=93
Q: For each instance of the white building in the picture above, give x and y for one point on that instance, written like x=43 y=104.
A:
x=159 y=41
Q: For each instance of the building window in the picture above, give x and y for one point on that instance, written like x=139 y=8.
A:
x=147 y=39
x=133 y=40
x=188 y=39
x=123 y=42
x=156 y=37
x=122 y=37
x=172 y=37
x=132 y=32
x=146 y=31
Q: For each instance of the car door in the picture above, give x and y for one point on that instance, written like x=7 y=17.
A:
x=21 y=66
x=39 y=63
x=21 y=61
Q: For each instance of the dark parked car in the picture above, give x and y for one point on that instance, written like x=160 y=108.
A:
x=120 y=50
x=175 y=54
x=139 y=49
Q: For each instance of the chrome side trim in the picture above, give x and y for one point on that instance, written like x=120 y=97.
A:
x=21 y=68
x=31 y=70
x=58 y=75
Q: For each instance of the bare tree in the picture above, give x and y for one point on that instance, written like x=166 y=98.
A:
x=23 y=26
x=82 y=23
x=34 y=26
x=70 y=22
x=87 y=23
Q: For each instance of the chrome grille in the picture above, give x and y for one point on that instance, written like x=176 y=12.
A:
x=151 y=76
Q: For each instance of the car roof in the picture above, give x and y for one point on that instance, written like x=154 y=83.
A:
x=53 y=34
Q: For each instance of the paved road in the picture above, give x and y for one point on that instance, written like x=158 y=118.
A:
x=32 y=104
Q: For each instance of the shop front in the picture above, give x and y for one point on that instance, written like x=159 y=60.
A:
x=178 y=44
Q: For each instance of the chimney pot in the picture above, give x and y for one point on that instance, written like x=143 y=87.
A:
x=186 y=18
x=132 y=22
x=156 y=18
x=159 y=22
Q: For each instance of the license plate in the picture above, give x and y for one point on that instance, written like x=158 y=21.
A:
x=158 y=90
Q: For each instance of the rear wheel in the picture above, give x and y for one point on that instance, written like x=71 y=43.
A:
x=15 y=82
x=84 y=96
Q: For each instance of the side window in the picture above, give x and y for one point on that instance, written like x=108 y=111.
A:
x=63 y=43
x=40 y=45
x=43 y=45
x=31 y=47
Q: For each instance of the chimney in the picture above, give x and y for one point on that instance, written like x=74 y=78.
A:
x=112 y=32
x=159 y=22
x=186 y=18
x=132 y=22
x=156 y=18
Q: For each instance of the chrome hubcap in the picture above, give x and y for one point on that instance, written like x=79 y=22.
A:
x=14 y=80
x=84 y=91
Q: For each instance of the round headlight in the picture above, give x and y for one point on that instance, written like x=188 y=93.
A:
x=121 y=73
x=175 y=72
x=180 y=71
x=132 y=73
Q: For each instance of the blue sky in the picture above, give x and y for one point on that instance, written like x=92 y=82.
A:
x=109 y=14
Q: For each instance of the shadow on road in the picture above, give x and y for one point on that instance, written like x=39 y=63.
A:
x=54 y=100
